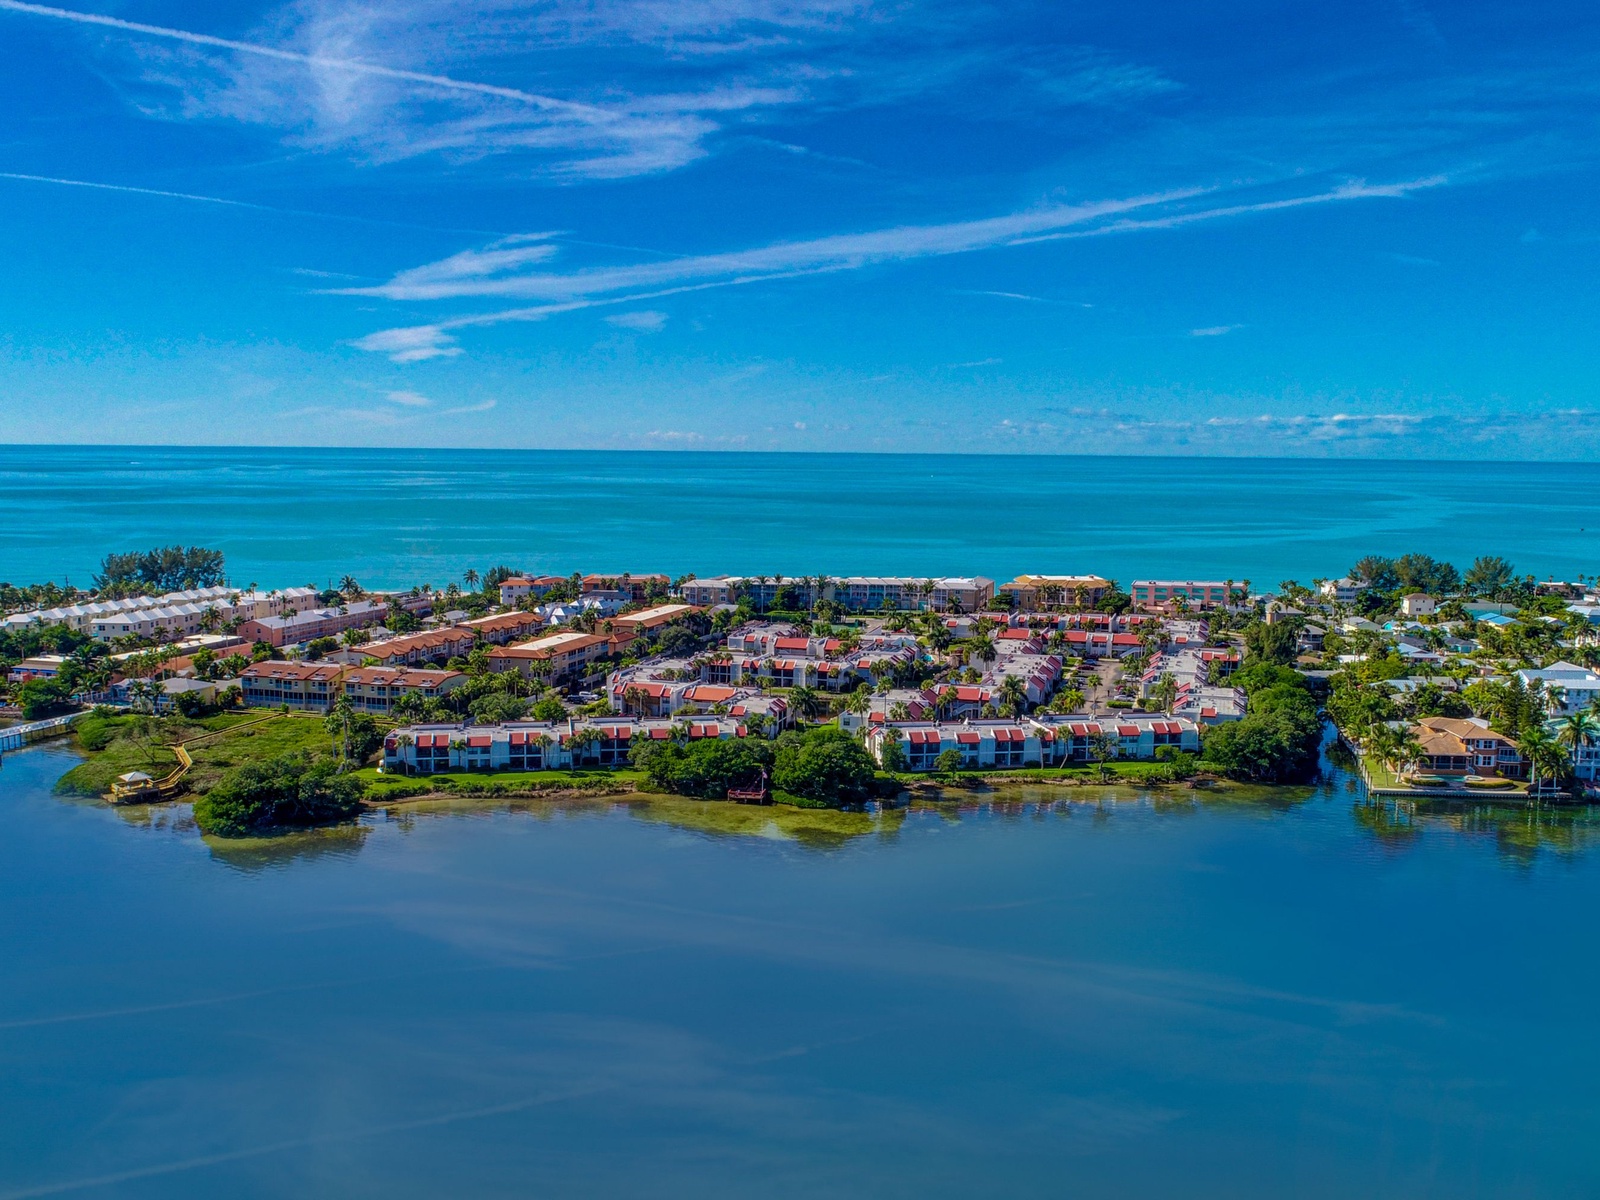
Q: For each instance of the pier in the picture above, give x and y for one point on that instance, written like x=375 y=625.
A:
x=18 y=736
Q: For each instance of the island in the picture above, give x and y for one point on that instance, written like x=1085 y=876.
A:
x=294 y=707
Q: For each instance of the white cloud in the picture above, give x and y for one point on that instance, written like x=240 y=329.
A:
x=671 y=436
x=481 y=274
x=1214 y=331
x=832 y=253
x=408 y=399
x=485 y=406
x=645 y=321
x=414 y=343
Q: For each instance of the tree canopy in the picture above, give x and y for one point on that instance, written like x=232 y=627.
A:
x=164 y=569
x=291 y=791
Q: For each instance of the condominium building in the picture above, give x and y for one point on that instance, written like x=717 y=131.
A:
x=291 y=630
x=867 y=593
x=309 y=687
x=502 y=629
x=519 y=587
x=1032 y=742
x=1047 y=593
x=168 y=616
x=375 y=689
x=651 y=618
x=634 y=588
x=1169 y=593
x=569 y=655
x=536 y=746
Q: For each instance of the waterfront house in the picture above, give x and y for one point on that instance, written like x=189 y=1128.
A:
x=308 y=687
x=1461 y=746
x=185 y=611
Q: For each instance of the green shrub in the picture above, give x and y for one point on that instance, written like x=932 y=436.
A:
x=291 y=791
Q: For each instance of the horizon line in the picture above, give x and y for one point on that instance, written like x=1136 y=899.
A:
x=737 y=451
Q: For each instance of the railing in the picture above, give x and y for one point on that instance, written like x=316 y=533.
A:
x=18 y=736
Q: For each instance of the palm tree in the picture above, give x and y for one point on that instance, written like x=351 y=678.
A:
x=350 y=587
x=1165 y=692
x=1068 y=700
x=805 y=702
x=470 y=578
x=1013 y=696
x=337 y=723
x=1541 y=751
x=983 y=649
x=859 y=701
x=1579 y=730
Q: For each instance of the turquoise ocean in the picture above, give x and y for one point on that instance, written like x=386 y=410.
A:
x=399 y=517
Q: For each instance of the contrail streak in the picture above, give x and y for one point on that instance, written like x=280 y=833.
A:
x=584 y=112
x=138 y=191
x=251 y=205
x=211 y=1160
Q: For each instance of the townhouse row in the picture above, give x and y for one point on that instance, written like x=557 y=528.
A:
x=316 y=687
x=858 y=593
x=539 y=746
x=626 y=587
x=174 y=614
x=608 y=742
x=1039 y=741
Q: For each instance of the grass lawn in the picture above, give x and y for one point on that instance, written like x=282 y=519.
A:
x=126 y=742
x=1380 y=776
x=269 y=739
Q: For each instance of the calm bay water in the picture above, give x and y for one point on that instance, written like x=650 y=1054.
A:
x=398 y=517
x=1130 y=999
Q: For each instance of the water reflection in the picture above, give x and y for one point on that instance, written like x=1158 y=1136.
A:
x=254 y=855
x=1520 y=830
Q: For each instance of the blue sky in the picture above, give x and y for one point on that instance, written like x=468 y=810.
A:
x=1362 y=229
